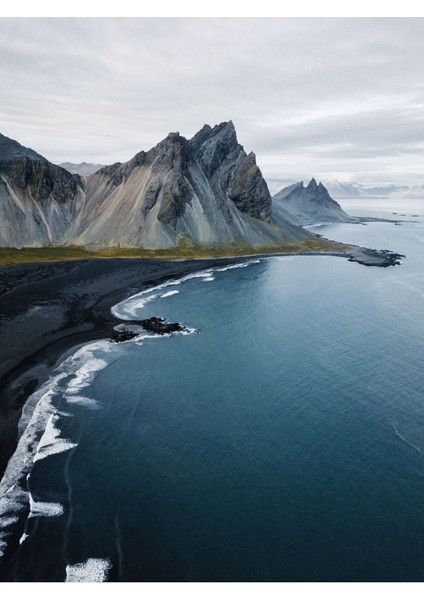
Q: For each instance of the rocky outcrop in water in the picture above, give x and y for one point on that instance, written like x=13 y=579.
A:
x=157 y=325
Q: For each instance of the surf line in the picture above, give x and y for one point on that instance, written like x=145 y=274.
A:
x=395 y=424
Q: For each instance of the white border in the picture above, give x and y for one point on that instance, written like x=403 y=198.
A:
x=218 y=8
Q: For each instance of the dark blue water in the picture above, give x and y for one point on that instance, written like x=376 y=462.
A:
x=282 y=442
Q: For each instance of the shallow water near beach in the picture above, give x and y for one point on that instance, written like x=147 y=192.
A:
x=280 y=439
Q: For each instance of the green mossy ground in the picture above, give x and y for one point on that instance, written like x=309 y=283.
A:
x=11 y=256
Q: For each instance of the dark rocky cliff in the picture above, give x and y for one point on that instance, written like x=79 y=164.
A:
x=205 y=190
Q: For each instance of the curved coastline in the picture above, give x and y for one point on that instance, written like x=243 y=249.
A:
x=47 y=310
x=63 y=306
x=71 y=307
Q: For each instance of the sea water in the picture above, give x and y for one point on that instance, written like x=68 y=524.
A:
x=280 y=439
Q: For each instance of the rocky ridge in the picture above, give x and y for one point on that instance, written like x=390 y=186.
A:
x=202 y=191
x=308 y=205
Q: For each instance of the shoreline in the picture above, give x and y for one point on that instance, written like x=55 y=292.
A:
x=48 y=309
x=64 y=306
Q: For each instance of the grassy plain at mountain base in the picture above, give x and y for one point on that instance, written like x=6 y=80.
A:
x=9 y=256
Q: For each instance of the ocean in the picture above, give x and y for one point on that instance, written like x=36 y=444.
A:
x=280 y=438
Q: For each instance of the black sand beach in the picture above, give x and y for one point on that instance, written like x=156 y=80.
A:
x=47 y=309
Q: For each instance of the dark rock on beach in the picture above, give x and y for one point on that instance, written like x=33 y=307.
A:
x=49 y=309
x=376 y=258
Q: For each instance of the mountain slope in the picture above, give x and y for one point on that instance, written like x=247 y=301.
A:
x=12 y=149
x=37 y=198
x=306 y=205
x=206 y=191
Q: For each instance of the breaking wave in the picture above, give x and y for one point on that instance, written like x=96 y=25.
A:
x=51 y=442
x=128 y=309
x=40 y=436
x=92 y=570
x=39 y=428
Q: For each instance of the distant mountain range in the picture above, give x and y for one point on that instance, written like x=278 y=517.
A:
x=340 y=189
x=83 y=168
x=205 y=191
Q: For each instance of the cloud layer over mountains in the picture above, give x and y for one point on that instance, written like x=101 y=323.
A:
x=337 y=98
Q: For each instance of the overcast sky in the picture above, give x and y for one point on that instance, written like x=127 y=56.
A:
x=330 y=98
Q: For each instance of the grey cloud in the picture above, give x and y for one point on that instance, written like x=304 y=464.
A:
x=312 y=94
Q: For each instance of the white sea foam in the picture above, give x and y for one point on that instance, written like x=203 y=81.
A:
x=171 y=293
x=42 y=398
x=127 y=309
x=44 y=509
x=12 y=504
x=39 y=424
x=237 y=266
x=21 y=462
x=404 y=439
x=23 y=537
x=139 y=339
x=92 y=570
x=132 y=305
x=83 y=401
x=51 y=442
x=85 y=374
x=8 y=521
x=188 y=331
x=198 y=275
x=3 y=544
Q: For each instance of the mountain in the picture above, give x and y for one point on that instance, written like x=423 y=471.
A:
x=36 y=197
x=343 y=189
x=205 y=190
x=306 y=205
x=12 y=149
x=409 y=192
x=340 y=189
x=84 y=169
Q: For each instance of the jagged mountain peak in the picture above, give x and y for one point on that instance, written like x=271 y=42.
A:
x=205 y=189
x=213 y=146
x=305 y=205
x=224 y=131
x=10 y=149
